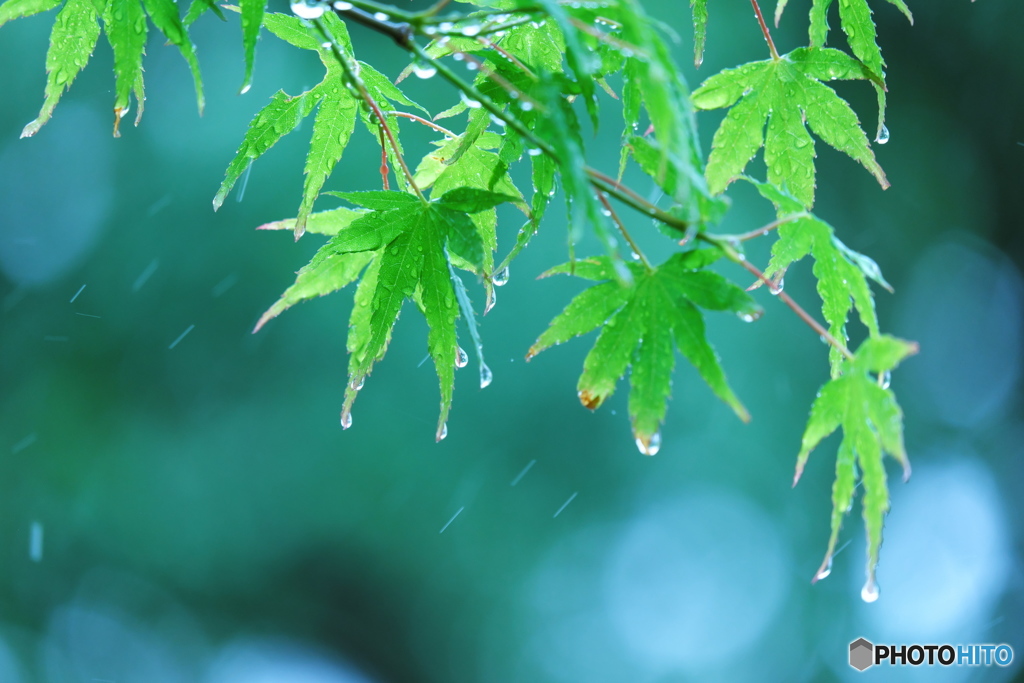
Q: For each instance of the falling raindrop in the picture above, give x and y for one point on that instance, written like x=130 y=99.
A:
x=869 y=593
x=883 y=135
x=307 y=9
x=486 y=376
x=500 y=279
x=461 y=357
x=652 y=446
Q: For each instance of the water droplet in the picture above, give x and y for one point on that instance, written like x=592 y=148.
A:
x=869 y=593
x=342 y=6
x=526 y=106
x=883 y=379
x=458 y=56
x=308 y=9
x=445 y=26
x=472 y=66
x=461 y=357
x=534 y=151
x=468 y=101
x=749 y=316
x=824 y=571
x=442 y=434
x=776 y=286
x=498 y=122
x=500 y=279
x=491 y=302
x=470 y=31
x=346 y=419
x=380 y=16
x=423 y=70
x=357 y=383
x=486 y=376
x=652 y=446
x=883 y=135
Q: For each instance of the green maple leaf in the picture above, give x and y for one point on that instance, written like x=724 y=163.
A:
x=841 y=272
x=404 y=247
x=855 y=16
x=872 y=425
x=643 y=324
x=788 y=94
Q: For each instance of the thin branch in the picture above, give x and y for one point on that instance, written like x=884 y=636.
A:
x=797 y=308
x=622 y=228
x=764 y=29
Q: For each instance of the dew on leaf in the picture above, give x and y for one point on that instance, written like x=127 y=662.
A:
x=423 y=70
x=307 y=9
x=652 y=446
x=869 y=593
x=461 y=357
x=469 y=101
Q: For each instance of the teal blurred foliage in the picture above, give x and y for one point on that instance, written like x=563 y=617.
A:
x=197 y=505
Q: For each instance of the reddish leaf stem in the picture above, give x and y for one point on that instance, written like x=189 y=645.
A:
x=622 y=228
x=764 y=29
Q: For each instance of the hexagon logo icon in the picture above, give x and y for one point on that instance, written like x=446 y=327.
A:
x=862 y=654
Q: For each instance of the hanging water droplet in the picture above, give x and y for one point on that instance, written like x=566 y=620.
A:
x=748 y=317
x=775 y=287
x=534 y=151
x=357 y=383
x=346 y=419
x=308 y=9
x=490 y=303
x=443 y=433
x=380 y=16
x=423 y=70
x=652 y=446
x=486 y=376
x=461 y=357
x=883 y=379
x=824 y=571
x=883 y=135
x=468 y=101
x=342 y=6
x=869 y=593
x=500 y=279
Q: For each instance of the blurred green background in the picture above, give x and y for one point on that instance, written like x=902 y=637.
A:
x=197 y=514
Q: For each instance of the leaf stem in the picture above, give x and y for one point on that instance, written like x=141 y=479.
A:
x=765 y=229
x=425 y=122
x=788 y=300
x=764 y=30
x=622 y=228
